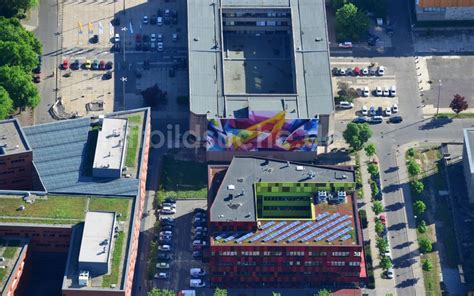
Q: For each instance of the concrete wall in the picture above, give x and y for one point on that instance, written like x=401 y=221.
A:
x=43 y=238
x=468 y=175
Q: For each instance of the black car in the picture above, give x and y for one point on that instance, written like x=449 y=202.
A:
x=107 y=75
x=94 y=39
x=199 y=210
x=153 y=20
x=164 y=257
x=167 y=228
x=197 y=254
x=199 y=223
x=170 y=200
x=167 y=20
x=109 y=65
x=359 y=120
x=396 y=119
x=117 y=47
x=379 y=111
x=75 y=65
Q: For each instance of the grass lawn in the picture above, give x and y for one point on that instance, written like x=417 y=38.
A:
x=3 y=272
x=454 y=116
x=40 y=221
x=431 y=278
x=119 y=205
x=113 y=277
x=54 y=207
x=183 y=179
x=10 y=252
x=132 y=146
x=136 y=119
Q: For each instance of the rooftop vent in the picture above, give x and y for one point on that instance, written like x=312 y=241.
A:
x=230 y=187
x=240 y=179
x=299 y=168
x=83 y=279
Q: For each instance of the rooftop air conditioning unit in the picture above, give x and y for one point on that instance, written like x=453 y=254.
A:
x=299 y=168
x=230 y=187
x=83 y=280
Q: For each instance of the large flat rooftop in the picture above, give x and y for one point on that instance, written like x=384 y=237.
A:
x=236 y=66
x=96 y=237
x=111 y=142
x=236 y=200
x=12 y=139
x=333 y=224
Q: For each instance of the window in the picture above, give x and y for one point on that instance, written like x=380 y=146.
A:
x=272 y=253
x=434 y=9
x=312 y=263
x=340 y=254
x=337 y=263
x=294 y=253
x=354 y=263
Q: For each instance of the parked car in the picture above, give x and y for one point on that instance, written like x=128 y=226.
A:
x=164 y=248
x=199 y=219
x=346 y=105
x=145 y=19
x=167 y=220
x=349 y=72
x=364 y=110
x=372 y=71
x=168 y=210
x=153 y=37
x=395 y=119
x=365 y=71
x=117 y=38
x=102 y=65
x=357 y=71
x=175 y=37
x=199 y=210
x=388 y=111
x=199 y=243
x=166 y=232
x=164 y=257
x=117 y=47
x=37 y=70
x=162 y=265
x=107 y=75
x=196 y=283
x=379 y=111
x=109 y=65
x=346 y=44
x=87 y=64
x=159 y=12
x=161 y=275
x=360 y=119
x=167 y=228
x=393 y=91
x=159 y=37
x=197 y=272
x=385 y=92
x=65 y=64
x=95 y=65
x=94 y=39
x=372 y=111
x=378 y=91
x=389 y=273
x=395 y=108
x=381 y=71
x=335 y=71
x=75 y=65
x=376 y=120
x=197 y=254
x=153 y=20
x=383 y=219
x=159 y=21
x=160 y=46
x=365 y=91
x=342 y=72
x=168 y=204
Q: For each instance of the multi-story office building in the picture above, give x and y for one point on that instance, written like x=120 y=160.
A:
x=282 y=224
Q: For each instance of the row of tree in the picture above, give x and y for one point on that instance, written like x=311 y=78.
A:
x=19 y=52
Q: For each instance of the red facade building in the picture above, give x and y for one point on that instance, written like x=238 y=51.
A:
x=249 y=250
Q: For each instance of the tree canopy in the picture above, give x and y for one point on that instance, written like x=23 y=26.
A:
x=6 y=103
x=419 y=207
x=161 y=292
x=356 y=135
x=425 y=245
x=458 y=104
x=351 y=23
x=19 y=86
x=12 y=30
x=417 y=186
x=385 y=263
x=18 y=54
x=10 y=8
x=377 y=207
x=220 y=292
x=381 y=244
x=370 y=149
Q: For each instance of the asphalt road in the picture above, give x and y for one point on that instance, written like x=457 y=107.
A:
x=46 y=33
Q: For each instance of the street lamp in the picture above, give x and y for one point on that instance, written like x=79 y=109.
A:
x=123 y=79
x=439 y=95
x=124 y=30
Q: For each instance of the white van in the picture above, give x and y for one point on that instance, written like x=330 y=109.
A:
x=393 y=91
x=196 y=283
x=365 y=91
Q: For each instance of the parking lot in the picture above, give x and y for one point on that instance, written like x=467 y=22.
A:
x=146 y=49
x=182 y=260
x=373 y=82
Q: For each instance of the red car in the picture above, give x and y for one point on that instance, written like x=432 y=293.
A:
x=382 y=219
x=65 y=65
x=102 y=65
x=357 y=71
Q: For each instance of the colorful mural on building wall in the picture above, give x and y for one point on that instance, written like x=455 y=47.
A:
x=262 y=132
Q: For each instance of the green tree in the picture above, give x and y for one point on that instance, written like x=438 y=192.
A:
x=379 y=227
x=370 y=149
x=417 y=186
x=381 y=244
x=356 y=135
x=12 y=30
x=19 y=86
x=385 y=263
x=6 y=103
x=458 y=104
x=421 y=226
x=276 y=294
x=413 y=168
x=351 y=23
x=161 y=292
x=377 y=207
x=373 y=169
x=18 y=54
x=411 y=152
x=426 y=264
x=323 y=292
x=11 y=8
x=425 y=245
x=419 y=207
x=375 y=189
x=220 y=292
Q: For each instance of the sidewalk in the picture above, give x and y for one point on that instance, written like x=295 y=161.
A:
x=411 y=223
x=382 y=286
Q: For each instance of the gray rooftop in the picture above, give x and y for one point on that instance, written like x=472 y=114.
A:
x=12 y=139
x=243 y=172
x=469 y=142
x=98 y=229
x=110 y=148
x=59 y=150
x=311 y=59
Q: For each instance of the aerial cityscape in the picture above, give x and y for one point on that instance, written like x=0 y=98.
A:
x=236 y=147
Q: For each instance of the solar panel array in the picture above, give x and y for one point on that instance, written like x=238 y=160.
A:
x=324 y=228
x=266 y=225
x=321 y=216
x=344 y=231
x=293 y=231
x=347 y=236
x=280 y=231
x=326 y=234
x=319 y=224
x=222 y=235
x=233 y=236
x=266 y=232
x=241 y=239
